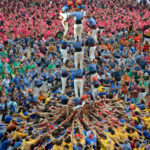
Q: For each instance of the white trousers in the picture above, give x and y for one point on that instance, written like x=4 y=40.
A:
x=78 y=29
x=94 y=92
x=65 y=25
x=78 y=59
x=37 y=90
x=78 y=85
x=63 y=81
x=64 y=54
x=118 y=60
x=94 y=34
x=107 y=89
x=92 y=52
x=142 y=95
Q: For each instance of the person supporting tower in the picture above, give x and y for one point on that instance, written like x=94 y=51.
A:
x=64 y=75
x=92 y=47
x=92 y=24
x=78 y=55
x=64 y=16
x=92 y=71
x=81 y=6
x=63 y=50
x=78 y=81
x=78 y=26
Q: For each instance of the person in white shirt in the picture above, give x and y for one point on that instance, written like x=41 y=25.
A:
x=64 y=17
x=6 y=81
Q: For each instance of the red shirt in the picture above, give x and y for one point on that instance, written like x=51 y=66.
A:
x=146 y=47
x=147 y=59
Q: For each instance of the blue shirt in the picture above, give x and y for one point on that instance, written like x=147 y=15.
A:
x=76 y=148
x=64 y=72
x=126 y=146
x=79 y=73
x=58 y=75
x=91 y=21
x=4 y=145
x=2 y=106
x=50 y=78
x=20 y=86
x=8 y=119
x=76 y=101
x=16 y=80
x=77 y=15
x=91 y=141
x=92 y=68
x=45 y=75
x=91 y=40
x=64 y=43
x=17 y=144
x=38 y=82
x=65 y=8
x=77 y=44
x=27 y=82
x=32 y=99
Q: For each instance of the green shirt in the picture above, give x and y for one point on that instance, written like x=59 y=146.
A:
x=144 y=84
x=8 y=68
x=130 y=74
x=1 y=67
x=3 y=76
x=20 y=70
x=3 y=53
x=16 y=64
x=50 y=67
x=5 y=90
x=31 y=66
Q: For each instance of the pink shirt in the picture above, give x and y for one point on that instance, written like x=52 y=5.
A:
x=147 y=59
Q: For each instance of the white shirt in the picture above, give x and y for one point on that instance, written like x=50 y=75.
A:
x=64 y=15
x=5 y=82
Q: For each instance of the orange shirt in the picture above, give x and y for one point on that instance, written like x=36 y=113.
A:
x=126 y=78
x=41 y=97
x=102 y=46
x=11 y=126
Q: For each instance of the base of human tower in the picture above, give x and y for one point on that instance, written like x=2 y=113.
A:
x=97 y=116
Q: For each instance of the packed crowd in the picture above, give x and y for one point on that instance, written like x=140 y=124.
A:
x=87 y=88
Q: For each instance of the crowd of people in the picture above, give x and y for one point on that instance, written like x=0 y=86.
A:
x=74 y=75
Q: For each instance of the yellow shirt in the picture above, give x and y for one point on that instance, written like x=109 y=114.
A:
x=134 y=135
x=135 y=118
x=19 y=134
x=47 y=100
x=23 y=116
x=110 y=146
x=137 y=109
x=147 y=120
x=114 y=137
x=137 y=149
x=56 y=147
x=70 y=145
x=26 y=145
x=147 y=110
x=123 y=136
x=103 y=144
x=100 y=88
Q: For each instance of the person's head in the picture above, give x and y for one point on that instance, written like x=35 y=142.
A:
x=58 y=142
x=79 y=145
x=125 y=141
x=137 y=144
x=27 y=138
x=66 y=147
x=68 y=139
